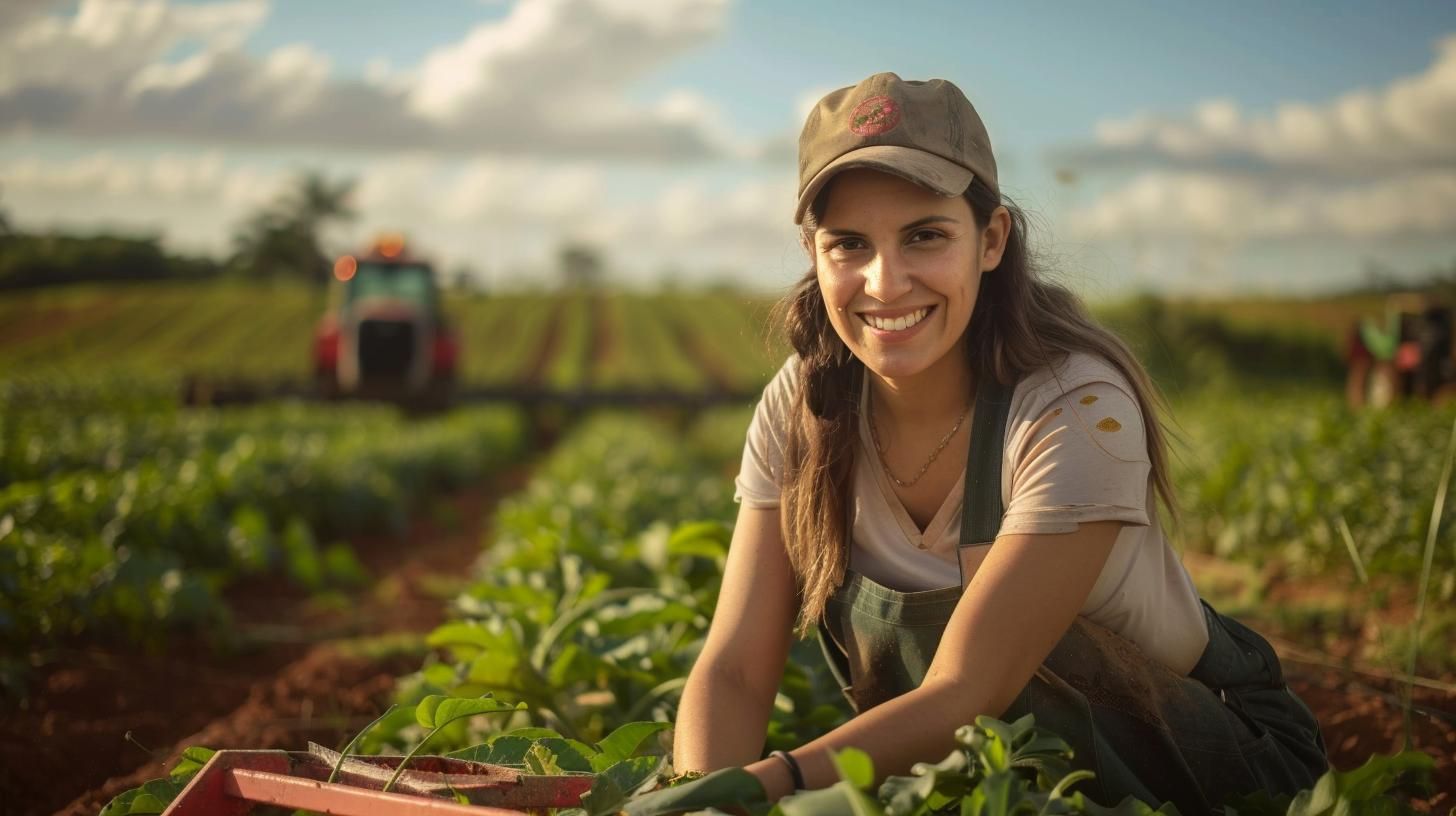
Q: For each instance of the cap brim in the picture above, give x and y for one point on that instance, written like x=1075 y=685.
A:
x=926 y=169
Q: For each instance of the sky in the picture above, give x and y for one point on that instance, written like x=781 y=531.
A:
x=1180 y=147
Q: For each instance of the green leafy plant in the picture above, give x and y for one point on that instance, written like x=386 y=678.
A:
x=437 y=711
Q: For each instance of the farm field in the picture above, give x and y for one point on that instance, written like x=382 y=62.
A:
x=598 y=553
x=592 y=594
x=159 y=332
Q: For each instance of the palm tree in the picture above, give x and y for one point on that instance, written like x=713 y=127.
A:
x=282 y=239
x=316 y=200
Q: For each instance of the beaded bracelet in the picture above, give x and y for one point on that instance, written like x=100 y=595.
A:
x=794 y=770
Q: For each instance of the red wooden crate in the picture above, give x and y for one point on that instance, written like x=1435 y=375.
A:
x=234 y=782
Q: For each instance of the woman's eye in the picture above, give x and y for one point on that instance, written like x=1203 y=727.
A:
x=846 y=244
x=921 y=236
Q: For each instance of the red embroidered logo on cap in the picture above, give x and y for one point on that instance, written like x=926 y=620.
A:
x=874 y=116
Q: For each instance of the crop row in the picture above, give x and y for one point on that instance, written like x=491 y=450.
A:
x=1277 y=479
x=594 y=596
x=126 y=524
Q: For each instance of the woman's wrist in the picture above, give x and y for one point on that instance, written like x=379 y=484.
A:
x=775 y=776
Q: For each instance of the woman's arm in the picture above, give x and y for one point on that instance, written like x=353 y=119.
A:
x=723 y=717
x=1022 y=600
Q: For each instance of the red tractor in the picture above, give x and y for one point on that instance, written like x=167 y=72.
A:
x=385 y=335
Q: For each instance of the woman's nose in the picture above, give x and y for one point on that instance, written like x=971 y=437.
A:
x=886 y=278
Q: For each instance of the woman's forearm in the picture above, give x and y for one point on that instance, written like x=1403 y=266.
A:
x=721 y=721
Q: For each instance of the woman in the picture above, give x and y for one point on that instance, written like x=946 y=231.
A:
x=942 y=398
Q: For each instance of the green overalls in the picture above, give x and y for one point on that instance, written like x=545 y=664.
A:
x=1230 y=727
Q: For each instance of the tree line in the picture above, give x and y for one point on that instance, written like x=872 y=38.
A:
x=280 y=241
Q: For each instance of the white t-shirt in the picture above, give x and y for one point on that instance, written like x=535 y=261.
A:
x=1074 y=451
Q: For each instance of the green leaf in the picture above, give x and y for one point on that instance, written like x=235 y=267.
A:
x=541 y=760
x=568 y=754
x=438 y=710
x=1382 y=773
x=558 y=674
x=532 y=733
x=997 y=795
x=855 y=767
x=192 y=760
x=624 y=742
x=703 y=539
x=721 y=788
x=149 y=799
x=605 y=797
x=504 y=749
x=1362 y=790
x=1132 y=806
x=904 y=795
x=465 y=638
x=837 y=800
x=634 y=772
x=614 y=784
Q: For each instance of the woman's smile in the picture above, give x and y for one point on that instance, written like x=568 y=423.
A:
x=896 y=325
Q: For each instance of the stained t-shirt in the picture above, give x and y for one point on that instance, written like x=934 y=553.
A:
x=1074 y=451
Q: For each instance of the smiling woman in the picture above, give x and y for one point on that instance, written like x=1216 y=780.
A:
x=953 y=484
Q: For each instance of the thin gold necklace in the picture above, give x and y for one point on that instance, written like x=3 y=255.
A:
x=880 y=449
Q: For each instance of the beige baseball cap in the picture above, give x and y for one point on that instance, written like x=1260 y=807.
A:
x=924 y=131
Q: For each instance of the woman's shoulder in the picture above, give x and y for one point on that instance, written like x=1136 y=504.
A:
x=1083 y=393
x=1074 y=371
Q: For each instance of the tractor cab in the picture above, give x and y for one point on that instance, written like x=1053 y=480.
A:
x=385 y=335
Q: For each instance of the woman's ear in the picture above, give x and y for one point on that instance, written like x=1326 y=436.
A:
x=994 y=239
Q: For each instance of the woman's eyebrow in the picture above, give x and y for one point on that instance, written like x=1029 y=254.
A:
x=929 y=219
x=919 y=222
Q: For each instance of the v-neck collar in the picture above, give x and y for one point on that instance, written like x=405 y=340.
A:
x=949 y=507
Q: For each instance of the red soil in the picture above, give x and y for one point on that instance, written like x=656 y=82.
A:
x=68 y=744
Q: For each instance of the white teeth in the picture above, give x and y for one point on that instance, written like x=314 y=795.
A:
x=896 y=323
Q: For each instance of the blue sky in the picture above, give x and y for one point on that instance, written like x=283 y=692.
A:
x=1217 y=147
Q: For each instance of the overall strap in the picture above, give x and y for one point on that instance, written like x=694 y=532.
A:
x=981 y=509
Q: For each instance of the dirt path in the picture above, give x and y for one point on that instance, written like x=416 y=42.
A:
x=534 y=375
x=604 y=339
x=304 y=684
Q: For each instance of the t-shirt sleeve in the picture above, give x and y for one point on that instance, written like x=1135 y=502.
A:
x=760 y=477
x=1080 y=457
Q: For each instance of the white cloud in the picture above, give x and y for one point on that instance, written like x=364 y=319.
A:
x=196 y=178
x=1170 y=205
x=495 y=214
x=1370 y=165
x=1410 y=123
x=107 y=40
x=550 y=78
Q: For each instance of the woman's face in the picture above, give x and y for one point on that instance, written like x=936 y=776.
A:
x=899 y=267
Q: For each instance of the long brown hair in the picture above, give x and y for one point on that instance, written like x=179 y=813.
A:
x=1020 y=323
